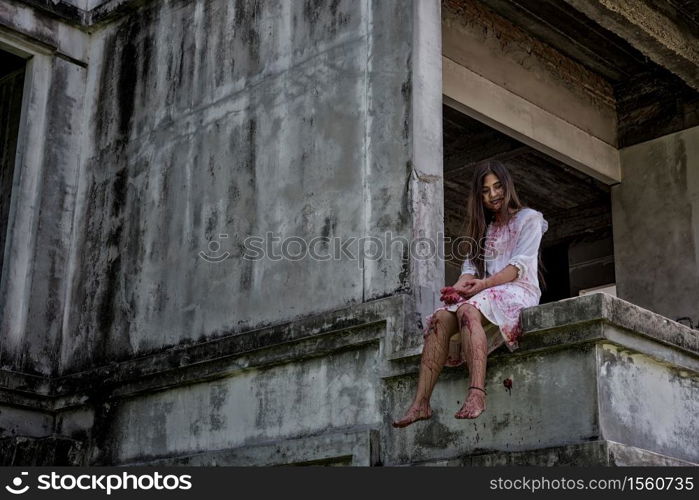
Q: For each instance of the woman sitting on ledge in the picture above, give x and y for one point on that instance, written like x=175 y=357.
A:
x=482 y=309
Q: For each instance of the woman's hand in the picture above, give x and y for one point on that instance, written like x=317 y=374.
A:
x=466 y=287
x=453 y=294
x=450 y=295
x=475 y=286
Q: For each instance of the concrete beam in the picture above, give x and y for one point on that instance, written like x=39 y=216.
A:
x=489 y=45
x=515 y=116
x=662 y=39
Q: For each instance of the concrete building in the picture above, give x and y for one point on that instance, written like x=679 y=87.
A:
x=144 y=140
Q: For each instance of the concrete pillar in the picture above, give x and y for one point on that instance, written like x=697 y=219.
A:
x=655 y=213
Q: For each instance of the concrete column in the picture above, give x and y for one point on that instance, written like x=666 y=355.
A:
x=655 y=213
x=426 y=177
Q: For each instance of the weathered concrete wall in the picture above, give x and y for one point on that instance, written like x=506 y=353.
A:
x=656 y=225
x=597 y=381
x=645 y=404
x=334 y=392
x=324 y=390
x=292 y=118
x=536 y=413
x=304 y=119
x=32 y=292
x=25 y=422
x=288 y=119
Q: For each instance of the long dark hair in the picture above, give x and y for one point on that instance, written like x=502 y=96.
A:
x=479 y=218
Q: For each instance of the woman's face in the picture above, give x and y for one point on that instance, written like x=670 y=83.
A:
x=493 y=193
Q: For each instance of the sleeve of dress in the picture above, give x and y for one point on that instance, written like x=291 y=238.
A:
x=526 y=252
x=468 y=268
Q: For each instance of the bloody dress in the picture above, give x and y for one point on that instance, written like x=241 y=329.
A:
x=515 y=243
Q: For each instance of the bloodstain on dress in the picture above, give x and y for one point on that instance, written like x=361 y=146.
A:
x=515 y=243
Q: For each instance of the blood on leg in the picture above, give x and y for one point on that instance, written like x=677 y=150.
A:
x=475 y=347
x=442 y=326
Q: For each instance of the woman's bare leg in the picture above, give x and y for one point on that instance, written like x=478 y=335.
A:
x=475 y=346
x=434 y=355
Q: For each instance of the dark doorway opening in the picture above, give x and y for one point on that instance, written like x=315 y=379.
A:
x=12 y=70
x=577 y=250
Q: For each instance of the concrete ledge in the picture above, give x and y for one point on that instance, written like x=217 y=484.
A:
x=608 y=453
x=575 y=357
x=601 y=316
x=572 y=321
x=614 y=311
x=357 y=447
x=589 y=368
x=21 y=399
x=46 y=32
x=32 y=385
x=590 y=318
x=623 y=455
x=552 y=401
x=186 y=364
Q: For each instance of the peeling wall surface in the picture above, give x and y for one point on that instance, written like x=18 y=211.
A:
x=656 y=225
x=645 y=402
x=251 y=120
x=334 y=390
x=207 y=122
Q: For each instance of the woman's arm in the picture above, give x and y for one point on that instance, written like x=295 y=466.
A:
x=505 y=275
x=468 y=272
x=473 y=286
x=523 y=260
x=464 y=278
x=526 y=251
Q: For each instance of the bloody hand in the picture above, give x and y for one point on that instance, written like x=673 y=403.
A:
x=450 y=295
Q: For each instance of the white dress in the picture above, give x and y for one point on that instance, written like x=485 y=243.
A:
x=516 y=243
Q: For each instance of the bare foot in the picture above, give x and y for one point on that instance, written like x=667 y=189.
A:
x=473 y=406
x=414 y=413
